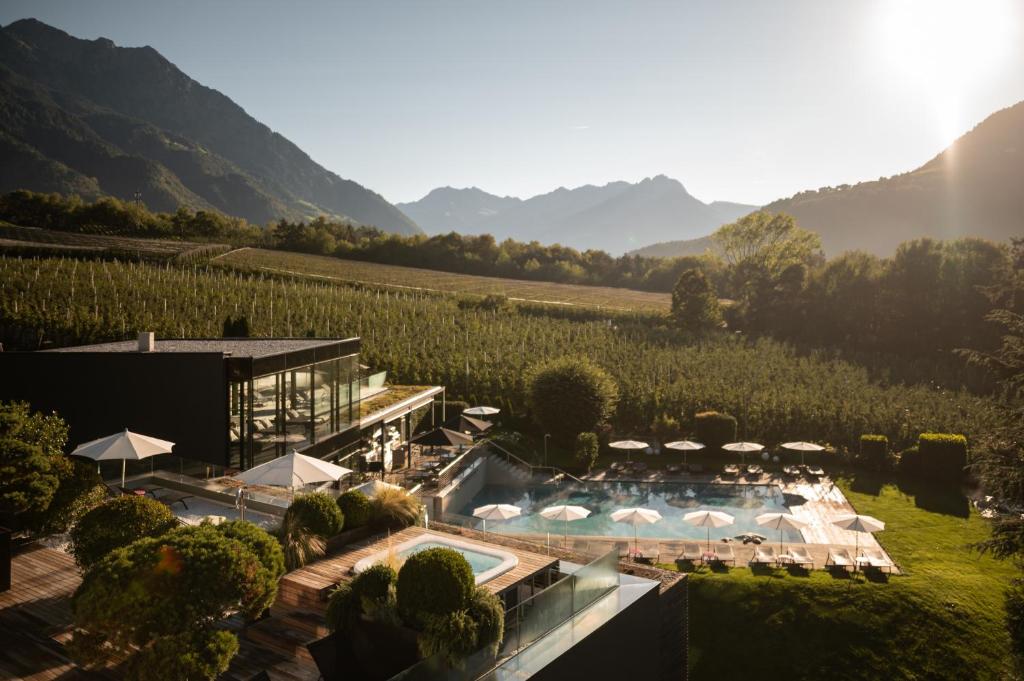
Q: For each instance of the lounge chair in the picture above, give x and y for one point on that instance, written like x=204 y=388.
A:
x=170 y=498
x=754 y=469
x=764 y=555
x=647 y=553
x=840 y=558
x=874 y=558
x=623 y=548
x=797 y=555
x=691 y=552
x=724 y=554
x=672 y=468
x=730 y=469
x=791 y=471
x=815 y=470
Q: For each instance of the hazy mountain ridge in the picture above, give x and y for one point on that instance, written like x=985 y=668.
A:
x=93 y=118
x=614 y=217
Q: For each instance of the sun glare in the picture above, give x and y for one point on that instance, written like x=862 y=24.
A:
x=945 y=49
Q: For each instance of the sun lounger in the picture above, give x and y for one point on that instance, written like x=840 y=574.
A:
x=623 y=548
x=875 y=559
x=791 y=471
x=764 y=555
x=170 y=498
x=691 y=552
x=839 y=558
x=797 y=555
x=815 y=470
x=754 y=469
x=724 y=554
x=730 y=469
x=672 y=468
x=647 y=553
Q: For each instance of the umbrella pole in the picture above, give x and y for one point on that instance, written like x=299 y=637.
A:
x=124 y=465
x=709 y=539
x=634 y=538
x=565 y=540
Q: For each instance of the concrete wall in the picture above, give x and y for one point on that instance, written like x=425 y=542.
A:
x=456 y=496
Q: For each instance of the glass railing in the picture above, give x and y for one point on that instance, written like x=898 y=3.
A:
x=529 y=621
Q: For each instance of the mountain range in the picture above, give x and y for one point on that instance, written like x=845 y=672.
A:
x=614 y=217
x=91 y=118
x=971 y=188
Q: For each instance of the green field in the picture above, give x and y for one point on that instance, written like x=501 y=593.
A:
x=36 y=241
x=943 y=619
x=412 y=278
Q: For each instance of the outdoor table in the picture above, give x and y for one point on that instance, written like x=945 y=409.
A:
x=147 y=488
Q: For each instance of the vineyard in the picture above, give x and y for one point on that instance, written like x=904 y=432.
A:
x=35 y=240
x=398 y=277
x=481 y=355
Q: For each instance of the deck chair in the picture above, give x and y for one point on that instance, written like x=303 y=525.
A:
x=840 y=558
x=171 y=498
x=623 y=549
x=724 y=554
x=876 y=559
x=691 y=552
x=798 y=555
x=764 y=555
x=647 y=553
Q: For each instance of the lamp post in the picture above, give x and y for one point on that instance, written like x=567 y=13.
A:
x=546 y=436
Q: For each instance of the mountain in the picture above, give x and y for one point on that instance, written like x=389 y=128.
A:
x=972 y=188
x=675 y=249
x=88 y=117
x=614 y=217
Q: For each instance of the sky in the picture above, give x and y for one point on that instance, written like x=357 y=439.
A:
x=745 y=101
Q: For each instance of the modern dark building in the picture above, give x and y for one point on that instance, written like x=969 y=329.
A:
x=228 y=402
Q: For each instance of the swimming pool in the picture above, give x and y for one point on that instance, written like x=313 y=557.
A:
x=671 y=499
x=486 y=562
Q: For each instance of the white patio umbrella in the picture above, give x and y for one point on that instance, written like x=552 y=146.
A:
x=291 y=471
x=802 y=447
x=684 y=446
x=858 y=523
x=496 y=512
x=628 y=446
x=743 y=448
x=481 y=411
x=709 y=519
x=634 y=517
x=124 y=446
x=565 y=513
x=780 y=522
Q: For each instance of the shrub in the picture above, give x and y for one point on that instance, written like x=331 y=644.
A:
x=910 y=461
x=665 y=428
x=943 y=456
x=586 y=450
x=570 y=395
x=201 y=654
x=393 y=508
x=318 y=513
x=374 y=587
x=177 y=585
x=714 y=429
x=262 y=544
x=450 y=637
x=116 y=523
x=436 y=581
x=342 y=608
x=874 y=450
x=1015 y=617
x=300 y=546
x=32 y=461
x=355 y=507
x=487 y=611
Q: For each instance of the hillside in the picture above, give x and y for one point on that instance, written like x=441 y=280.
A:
x=615 y=217
x=88 y=117
x=675 y=249
x=972 y=188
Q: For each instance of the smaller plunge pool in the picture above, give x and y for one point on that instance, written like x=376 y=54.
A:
x=487 y=562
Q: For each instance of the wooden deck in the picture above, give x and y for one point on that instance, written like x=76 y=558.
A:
x=311 y=584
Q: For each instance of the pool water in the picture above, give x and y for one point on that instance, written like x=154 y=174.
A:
x=479 y=562
x=673 y=500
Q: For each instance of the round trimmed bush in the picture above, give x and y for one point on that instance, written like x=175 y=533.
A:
x=436 y=581
x=117 y=523
x=374 y=583
x=318 y=513
x=264 y=545
x=355 y=507
x=714 y=429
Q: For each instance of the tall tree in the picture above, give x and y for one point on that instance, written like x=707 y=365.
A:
x=695 y=305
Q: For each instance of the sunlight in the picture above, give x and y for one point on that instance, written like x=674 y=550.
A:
x=945 y=49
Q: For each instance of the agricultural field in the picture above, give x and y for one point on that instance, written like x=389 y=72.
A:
x=398 y=277
x=33 y=240
x=482 y=355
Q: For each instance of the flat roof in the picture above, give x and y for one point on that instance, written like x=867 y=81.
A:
x=235 y=347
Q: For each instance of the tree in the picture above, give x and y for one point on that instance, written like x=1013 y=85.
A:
x=156 y=602
x=767 y=241
x=117 y=523
x=570 y=395
x=586 y=450
x=695 y=305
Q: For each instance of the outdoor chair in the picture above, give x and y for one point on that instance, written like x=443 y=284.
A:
x=730 y=469
x=839 y=558
x=764 y=555
x=724 y=554
x=791 y=471
x=815 y=470
x=170 y=498
x=754 y=469
x=874 y=558
x=647 y=553
x=623 y=549
x=797 y=555
x=673 y=468
x=691 y=552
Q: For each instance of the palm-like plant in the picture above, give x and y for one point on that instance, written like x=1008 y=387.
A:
x=299 y=544
x=394 y=508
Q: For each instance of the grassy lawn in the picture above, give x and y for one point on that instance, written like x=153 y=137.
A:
x=943 y=619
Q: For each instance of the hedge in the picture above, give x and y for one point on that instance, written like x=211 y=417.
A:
x=714 y=429
x=436 y=581
x=943 y=455
x=874 y=450
x=355 y=507
x=318 y=513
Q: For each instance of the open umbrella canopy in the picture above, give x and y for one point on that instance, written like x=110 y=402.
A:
x=497 y=511
x=780 y=522
x=565 y=513
x=292 y=470
x=441 y=437
x=628 y=446
x=634 y=517
x=481 y=411
x=859 y=523
x=709 y=519
x=468 y=424
x=743 y=447
x=802 y=447
x=684 y=446
x=126 y=446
